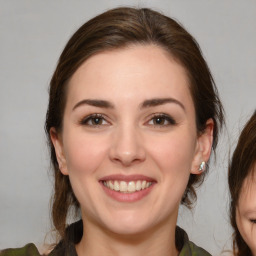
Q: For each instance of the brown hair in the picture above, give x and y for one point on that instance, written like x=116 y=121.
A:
x=118 y=28
x=240 y=166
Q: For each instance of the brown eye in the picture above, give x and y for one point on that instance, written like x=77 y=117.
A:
x=162 y=120
x=94 y=120
x=253 y=221
x=159 y=121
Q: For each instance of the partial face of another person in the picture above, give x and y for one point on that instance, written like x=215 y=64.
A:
x=129 y=141
x=246 y=212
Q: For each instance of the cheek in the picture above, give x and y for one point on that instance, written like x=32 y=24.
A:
x=247 y=231
x=173 y=153
x=173 y=156
x=252 y=241
x=84 y=153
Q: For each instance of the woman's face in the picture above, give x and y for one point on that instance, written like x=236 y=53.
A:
x=246 y=212
x=129 y=140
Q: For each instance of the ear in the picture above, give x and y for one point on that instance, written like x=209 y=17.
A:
x=203 y=147
x=58 y=145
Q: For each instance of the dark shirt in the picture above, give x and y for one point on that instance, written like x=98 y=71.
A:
x=74 y=234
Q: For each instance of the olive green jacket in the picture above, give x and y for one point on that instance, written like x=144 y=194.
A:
x=74 y=235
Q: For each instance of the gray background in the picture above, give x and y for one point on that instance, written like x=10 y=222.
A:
x=33 y=34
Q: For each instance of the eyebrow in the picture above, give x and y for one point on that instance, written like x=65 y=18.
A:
x=146 y=104
x=161 y=101
x=95 y=103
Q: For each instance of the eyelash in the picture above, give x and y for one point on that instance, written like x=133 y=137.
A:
x=90 y=118
x=156 y=117
x=163 y=117
x=253 y=221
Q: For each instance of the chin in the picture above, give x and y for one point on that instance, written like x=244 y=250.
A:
x=128 y=230
x=129 y=225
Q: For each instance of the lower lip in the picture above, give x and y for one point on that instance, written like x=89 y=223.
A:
x=127 y=197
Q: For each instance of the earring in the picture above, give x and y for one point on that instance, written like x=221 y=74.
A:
x=201 y=167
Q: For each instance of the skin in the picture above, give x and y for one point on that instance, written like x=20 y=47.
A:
x=129 y=141
x=246 y=212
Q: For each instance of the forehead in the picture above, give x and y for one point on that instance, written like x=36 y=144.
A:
x=249 y=186
x=130 y=71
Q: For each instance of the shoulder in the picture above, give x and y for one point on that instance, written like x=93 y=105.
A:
x=27 y=250
x=191 y=249
x=186 y=247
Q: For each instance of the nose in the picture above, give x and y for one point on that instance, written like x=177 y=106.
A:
x=127 y=146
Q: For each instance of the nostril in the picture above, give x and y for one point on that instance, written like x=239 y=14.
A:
x=128 y=158
x=126 y=147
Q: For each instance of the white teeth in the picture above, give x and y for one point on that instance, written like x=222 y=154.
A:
x=110 y=185
x=143 y=184
x=138 y=185
x=131 y=186
x=127 y=187
x=123 y=186
x=116 y=186
x=148 y=184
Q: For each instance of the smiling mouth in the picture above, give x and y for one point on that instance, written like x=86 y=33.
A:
x=127 y=187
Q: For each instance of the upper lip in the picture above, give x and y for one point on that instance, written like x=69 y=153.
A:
x=121 y=177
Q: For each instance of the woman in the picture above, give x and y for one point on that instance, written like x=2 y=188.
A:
x=242 y=186
x=133 y=115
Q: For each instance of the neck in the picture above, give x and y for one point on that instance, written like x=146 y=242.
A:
x=156 y=241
